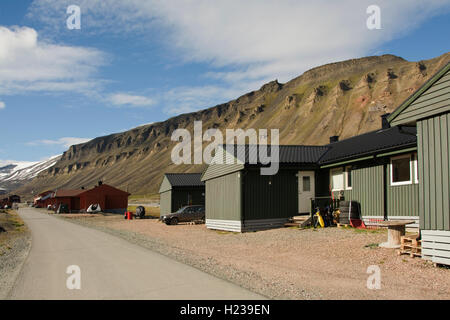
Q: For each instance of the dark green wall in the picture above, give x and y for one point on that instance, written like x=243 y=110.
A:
x=270 y=197
x=367 y=189
x=180 y=197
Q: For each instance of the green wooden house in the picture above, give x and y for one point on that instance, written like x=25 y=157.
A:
x=377 y=169
x=428 y=110
x=180 y=189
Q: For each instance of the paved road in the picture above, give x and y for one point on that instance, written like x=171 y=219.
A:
x=111 y=268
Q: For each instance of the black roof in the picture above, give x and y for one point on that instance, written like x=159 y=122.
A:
x=287 y=153
x=371 y=143
x=185 y=179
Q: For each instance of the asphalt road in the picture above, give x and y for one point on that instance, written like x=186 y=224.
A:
x=110 y=267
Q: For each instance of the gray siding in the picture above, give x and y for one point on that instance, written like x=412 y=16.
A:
x=165 y=203
x=223 y=197
x=435 y=99
x=434 y=172
x=215 y=170
x=165 y=185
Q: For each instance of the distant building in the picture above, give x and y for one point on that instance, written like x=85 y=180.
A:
x=109 y=198
x=181 y=189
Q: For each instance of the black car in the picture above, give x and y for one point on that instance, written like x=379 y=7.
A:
x=185 y=214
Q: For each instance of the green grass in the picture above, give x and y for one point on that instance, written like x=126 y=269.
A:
x=371 y=245
x=144 y=197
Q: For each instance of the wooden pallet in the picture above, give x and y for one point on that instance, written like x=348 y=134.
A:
x=195 y=222
x=343 y=225
x=298 y=221
x=410 y=246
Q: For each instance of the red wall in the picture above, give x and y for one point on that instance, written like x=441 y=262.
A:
x=108 y=197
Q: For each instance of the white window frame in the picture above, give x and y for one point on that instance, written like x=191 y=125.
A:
x=343 y=178
x=402 y=183
x=347 y=187
x=416 y=168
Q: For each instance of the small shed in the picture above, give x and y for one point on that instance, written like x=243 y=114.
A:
x=180 y=189
x=428 y=109
x=239 y=198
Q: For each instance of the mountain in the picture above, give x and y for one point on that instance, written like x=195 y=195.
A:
x=345 y=98
x=17 y=173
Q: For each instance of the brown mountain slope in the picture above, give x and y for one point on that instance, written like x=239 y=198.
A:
x=345 y=99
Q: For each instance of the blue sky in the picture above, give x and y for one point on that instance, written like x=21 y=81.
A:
x=136 y=62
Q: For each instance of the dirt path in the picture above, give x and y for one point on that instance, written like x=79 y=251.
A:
x=289 y=263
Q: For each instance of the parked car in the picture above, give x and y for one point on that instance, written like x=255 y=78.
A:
x=185 y=214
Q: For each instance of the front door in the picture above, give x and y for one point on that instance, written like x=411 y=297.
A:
x=306 y=189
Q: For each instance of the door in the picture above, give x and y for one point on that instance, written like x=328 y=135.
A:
x=306 y=190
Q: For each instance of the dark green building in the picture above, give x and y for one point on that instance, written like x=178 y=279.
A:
x=239 y=198
x=180 y=189
x=428 y=110
x=376 y=169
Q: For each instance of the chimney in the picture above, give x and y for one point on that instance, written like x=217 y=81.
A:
x=334 y=139
x=82 y=188
x=384 y=122
x=100 y=183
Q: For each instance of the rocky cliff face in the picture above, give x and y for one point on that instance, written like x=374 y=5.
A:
x=345 y=99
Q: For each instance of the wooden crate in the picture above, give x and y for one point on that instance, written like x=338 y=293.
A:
x=411 y=246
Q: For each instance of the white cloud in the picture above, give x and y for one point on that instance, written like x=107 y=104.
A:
x=124 y=99
x=2 y=105
x=259 y=39
x=245 y=43
x=65 y=142
x=187 y=99
x=30 y=64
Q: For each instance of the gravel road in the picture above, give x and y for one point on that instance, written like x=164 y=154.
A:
x=287 y=263
x=111 y=268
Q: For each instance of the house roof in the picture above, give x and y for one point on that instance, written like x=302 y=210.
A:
x=287 y=153
x=103 y=185
x=68 y=193
x=419 y=92
x=371 y=143
x=185 y=179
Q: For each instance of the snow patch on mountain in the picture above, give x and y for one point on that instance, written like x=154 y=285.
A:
x=23 y=171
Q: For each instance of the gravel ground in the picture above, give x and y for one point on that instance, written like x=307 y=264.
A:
x=15 y=243
x=288 y=263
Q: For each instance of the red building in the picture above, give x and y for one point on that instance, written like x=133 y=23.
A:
x=43 y=199
x=109 y=198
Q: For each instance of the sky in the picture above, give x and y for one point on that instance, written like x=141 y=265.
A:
x=137 y=62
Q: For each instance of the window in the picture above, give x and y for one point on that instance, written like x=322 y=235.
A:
x=337 y=179
x=401 y=170
x=416 y=169
x=306 y=183
x=348 y=178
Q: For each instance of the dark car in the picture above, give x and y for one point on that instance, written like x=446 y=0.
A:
x=185 y=214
